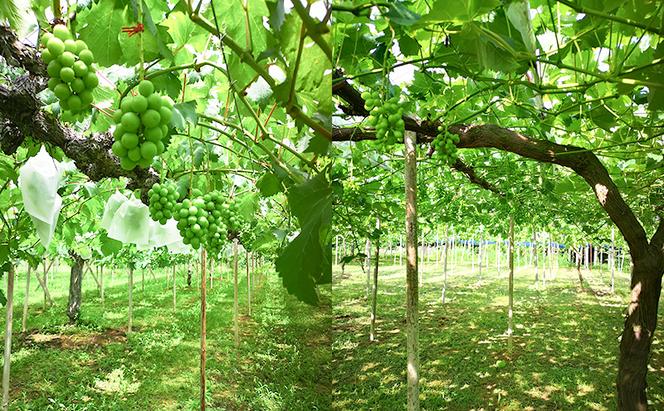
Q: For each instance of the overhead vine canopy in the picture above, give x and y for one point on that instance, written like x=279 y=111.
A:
x=251 y=90
x=575 y=86
x=584 y=74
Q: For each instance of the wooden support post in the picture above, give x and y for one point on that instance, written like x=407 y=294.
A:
x=510 y=290
x=236 y=326
x=26 y=301
x=203 y=324
x=9 y=308
x=130 y=302
x=412 y=285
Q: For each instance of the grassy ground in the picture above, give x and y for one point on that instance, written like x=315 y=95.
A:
x=563 y=355
x=280 y=363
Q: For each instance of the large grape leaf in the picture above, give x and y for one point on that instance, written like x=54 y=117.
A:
x=460 y=11
x=103 y=23
x=305 y=262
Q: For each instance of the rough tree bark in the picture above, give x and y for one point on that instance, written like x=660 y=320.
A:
x=75 y=282
x=413 y=369
x=647 y=256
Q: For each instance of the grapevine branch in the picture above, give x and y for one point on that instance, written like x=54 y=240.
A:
x=22 y=116
x=246 y=57
x=582 y=162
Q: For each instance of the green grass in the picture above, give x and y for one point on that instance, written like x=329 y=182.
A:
x=280 y=363
x=563 y=354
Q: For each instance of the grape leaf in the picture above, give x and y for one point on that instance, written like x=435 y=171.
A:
x=103 y=23
x=304 y=263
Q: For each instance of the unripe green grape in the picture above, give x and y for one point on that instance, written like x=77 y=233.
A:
x=53 y=69
x=139 y=104
x=62 y=92
x=118 y=149
x=44 y=38
x=130 y=121
x=80 y=68
x=74 y=103
x=70 y=45
x=55 y=46
x=127 y=164
x=77 y=85
x=67 y=59
x=117 y=116
x=134 y=154
x=91 y=80
x=118 y=132
x=126 y=104
x=86 y=56
x=129 y=141
x=46 y=56
x=61 y=32
x=148 y=150
x=153 y=134
x=166 y=115
x=167 y=102
x=52 y=83
x=151 y=118
x=67 y=74
x=145 y=88
x=155 y=101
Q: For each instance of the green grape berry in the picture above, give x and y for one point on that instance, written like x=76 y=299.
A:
x=61 y=32
x=67 y=59
x=129 y=140
x=67 y=74
x=145 y=88
x=86 y=56
x=55 y=46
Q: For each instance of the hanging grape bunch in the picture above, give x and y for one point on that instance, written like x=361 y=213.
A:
x=445 y=145
x=217 y=232
x=386 y=118
x=232 y=216
x=71 y=75
x=141 y=127
x=193 y=223
x=163 y=201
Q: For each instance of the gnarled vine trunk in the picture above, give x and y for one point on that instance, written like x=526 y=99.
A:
x=75 y=282
x=639 y=331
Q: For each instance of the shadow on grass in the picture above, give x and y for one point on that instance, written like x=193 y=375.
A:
x=563 y=354
x=157 y=366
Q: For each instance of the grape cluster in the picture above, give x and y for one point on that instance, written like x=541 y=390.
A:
x=217 y=232
x=386 y=118
x=163 y=201
x=234 y=220
x=141 y=127
x=69 y=66
x=445 y=145
x=193 y=221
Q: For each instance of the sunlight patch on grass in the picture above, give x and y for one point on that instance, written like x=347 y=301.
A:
x=115 y=382
x=543 y=393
